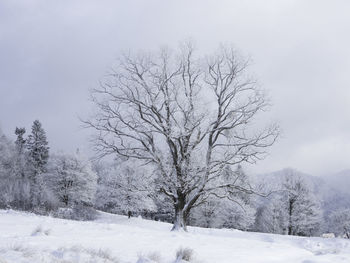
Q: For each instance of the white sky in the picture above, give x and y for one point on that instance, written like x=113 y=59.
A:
x=53 y=52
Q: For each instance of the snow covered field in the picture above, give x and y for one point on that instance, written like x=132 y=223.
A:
x=28 y=238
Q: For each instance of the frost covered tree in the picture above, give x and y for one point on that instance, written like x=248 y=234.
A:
x=208 y=214
x=124 y=188
x=217 y=213
x=20 y=174
x=188 y=116
x=20 y=141
x=228 y=208
x=6 y=164
x=238 y=216
x=107 y=182
x=72 y=180
x=14 y=186
x=38 y=149
x=271 y=216
x=133 y=195
x=38 y=154
x=302 y=209
x=340 y=223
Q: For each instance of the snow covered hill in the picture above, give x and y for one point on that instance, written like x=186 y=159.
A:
x=28 y=238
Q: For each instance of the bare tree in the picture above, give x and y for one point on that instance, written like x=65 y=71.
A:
x=190 y=117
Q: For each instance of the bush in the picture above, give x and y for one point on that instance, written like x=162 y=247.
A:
x=40 y=230
x=185 y=254
x=151 y=258
x=78 y=212
x=84 y=213
x=24 y=251
x=63 y=212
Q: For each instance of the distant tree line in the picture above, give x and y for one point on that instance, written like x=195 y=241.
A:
x=70 y=186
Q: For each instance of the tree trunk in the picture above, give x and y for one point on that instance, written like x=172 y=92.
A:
x=347 y=234
x=179 y=222
x=290 y=227
x=180 y=219
x=33 y=191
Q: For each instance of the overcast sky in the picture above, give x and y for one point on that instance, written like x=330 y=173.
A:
x=53 y=52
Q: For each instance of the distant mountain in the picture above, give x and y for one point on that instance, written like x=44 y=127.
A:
x=339 y=181
x=275 y=179
x=338 y=196
x=333 y=191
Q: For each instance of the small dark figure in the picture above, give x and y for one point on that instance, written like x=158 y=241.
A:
x=129 y=214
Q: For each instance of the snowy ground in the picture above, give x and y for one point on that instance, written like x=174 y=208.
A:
x=28 y=238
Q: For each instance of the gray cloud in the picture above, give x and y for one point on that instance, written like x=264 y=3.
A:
x=53 y=52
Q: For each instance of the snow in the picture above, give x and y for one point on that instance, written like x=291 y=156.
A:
x=28 y=238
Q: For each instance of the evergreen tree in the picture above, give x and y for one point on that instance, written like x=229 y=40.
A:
x=38 y=155
x=20 y=141
x=38 y=148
